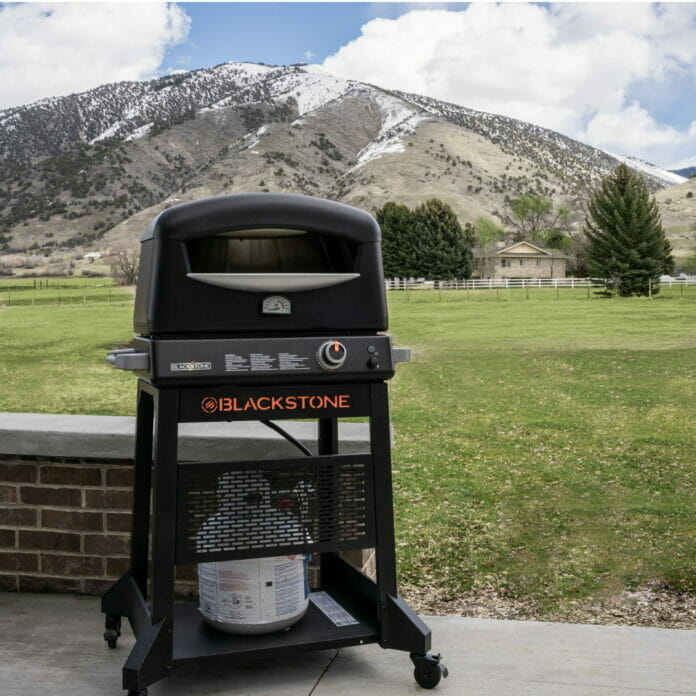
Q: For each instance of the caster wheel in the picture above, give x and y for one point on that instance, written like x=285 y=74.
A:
x=112 y=624
x=428 y=670
x=111 y=638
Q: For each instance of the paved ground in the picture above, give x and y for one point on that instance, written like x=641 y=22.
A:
x=50 y=645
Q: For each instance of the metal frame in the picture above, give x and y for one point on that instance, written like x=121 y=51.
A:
x=169 y=634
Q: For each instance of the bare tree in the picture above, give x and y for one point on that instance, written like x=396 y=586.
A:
x=124 y=265
x=532 y=217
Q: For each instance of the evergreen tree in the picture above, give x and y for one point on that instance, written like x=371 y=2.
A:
x=398 y=240
x=443 y=249
x=626 y=241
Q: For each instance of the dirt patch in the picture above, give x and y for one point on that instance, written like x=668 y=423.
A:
x=655 y=605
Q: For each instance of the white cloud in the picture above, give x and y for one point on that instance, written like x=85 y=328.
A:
x=568 y=67
x=57 y=48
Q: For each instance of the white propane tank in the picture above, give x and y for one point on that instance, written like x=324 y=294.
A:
x=259 y=595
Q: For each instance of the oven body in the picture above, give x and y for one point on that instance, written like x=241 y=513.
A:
x=261 y=307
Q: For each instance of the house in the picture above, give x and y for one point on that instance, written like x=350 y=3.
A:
x=520 y=260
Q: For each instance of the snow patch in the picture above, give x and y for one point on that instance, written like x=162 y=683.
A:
x=140 y=132
x=398 y=120
x=651 y=169
x=248 y=68
x=109 y=132
x=310 y=91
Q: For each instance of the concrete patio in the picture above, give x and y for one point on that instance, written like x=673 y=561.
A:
x=52 y=645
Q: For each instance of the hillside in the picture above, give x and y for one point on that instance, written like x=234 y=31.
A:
x=678 y=210
x=88 y=170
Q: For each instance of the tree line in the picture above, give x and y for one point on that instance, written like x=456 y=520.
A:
x=624 y=241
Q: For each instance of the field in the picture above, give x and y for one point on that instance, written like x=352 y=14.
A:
x=58 y=291
x=545 y=447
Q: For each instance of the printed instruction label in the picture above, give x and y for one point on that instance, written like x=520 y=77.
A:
x=332 y=609
x=262 y=362
x=236 y=363
x=292 y=361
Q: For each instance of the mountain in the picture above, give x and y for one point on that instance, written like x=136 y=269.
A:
x=87 y=171
x=686 y=172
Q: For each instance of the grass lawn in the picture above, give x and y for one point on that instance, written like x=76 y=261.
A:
x=545 y=448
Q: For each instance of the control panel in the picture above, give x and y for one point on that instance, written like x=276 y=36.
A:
x=259 y=360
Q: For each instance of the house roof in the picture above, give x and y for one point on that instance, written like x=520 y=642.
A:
x=522 y=249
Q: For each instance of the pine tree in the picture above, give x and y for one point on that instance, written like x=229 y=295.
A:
x=443 y=249
x=398 y=241
x=626 y=241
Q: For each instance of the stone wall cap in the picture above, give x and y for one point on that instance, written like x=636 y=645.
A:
x=112 y=437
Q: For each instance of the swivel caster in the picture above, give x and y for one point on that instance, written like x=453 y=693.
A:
x=112 y=624
x=428 y=670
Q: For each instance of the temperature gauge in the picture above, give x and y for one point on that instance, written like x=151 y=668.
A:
x=276 y=304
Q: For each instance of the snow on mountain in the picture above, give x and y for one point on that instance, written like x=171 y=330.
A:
x=640 y=165
x=398 y=120
x=310 y=90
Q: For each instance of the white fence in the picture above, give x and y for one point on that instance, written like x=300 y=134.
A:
x=510 y=283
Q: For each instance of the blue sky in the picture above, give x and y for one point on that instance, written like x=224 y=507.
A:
x=619 y=76
x=276 y=33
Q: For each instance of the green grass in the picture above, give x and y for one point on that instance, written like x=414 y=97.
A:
x=544 y=447
x=53 y=357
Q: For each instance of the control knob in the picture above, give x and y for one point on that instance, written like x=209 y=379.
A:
x=331 y=355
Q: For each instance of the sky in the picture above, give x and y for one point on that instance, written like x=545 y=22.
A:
x=618 y=76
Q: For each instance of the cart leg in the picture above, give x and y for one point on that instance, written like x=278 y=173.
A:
x=385 y=557
x=142 y=484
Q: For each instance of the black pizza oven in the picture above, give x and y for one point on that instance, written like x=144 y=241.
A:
x=260 y=263
x=261 y=307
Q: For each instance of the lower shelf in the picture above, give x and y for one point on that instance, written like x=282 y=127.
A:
x=195 y=640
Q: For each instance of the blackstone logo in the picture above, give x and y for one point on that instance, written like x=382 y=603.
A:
x=300 y=402
x=209 y=404
x=190 y=366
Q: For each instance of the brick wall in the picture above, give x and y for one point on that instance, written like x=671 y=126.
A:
x=65 y=525
x=65 y=493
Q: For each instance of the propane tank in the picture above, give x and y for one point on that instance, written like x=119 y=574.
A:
x=259 y=595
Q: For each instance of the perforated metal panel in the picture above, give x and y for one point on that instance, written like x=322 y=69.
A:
x=255 y=509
